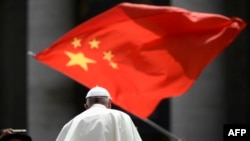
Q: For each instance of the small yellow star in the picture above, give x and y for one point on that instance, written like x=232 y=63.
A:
x=113 y=65
x=108 y=55
x=94 y=43
x=79 y=59
x=76 y=42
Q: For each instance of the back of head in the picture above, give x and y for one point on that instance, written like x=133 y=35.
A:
x=16 y=137
x=98 y=95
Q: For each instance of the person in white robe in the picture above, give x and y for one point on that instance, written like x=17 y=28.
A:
x=99 y=122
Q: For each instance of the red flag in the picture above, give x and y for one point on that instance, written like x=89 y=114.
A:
x=142 y=53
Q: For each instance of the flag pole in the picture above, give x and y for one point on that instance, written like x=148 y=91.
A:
x=31 y=53
x=162 y=130
x=157 y=127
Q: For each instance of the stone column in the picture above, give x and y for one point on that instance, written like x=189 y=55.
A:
x=51 y=97
x=200 y=113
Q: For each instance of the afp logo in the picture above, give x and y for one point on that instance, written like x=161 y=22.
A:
x=236 y=132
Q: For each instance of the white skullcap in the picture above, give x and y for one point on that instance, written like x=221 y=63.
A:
x=98 y=91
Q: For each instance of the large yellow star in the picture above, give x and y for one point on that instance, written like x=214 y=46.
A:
x=76 y=42
x=94 y=43
x=79 y=59
x=107 y=55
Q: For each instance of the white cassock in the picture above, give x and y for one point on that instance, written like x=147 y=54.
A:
x=100 y=124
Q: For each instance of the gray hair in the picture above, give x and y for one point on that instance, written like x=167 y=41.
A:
x=97 y=100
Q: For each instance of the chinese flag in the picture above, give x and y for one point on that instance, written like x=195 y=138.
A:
x=141 y=53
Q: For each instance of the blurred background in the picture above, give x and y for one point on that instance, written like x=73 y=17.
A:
x=42 y=100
